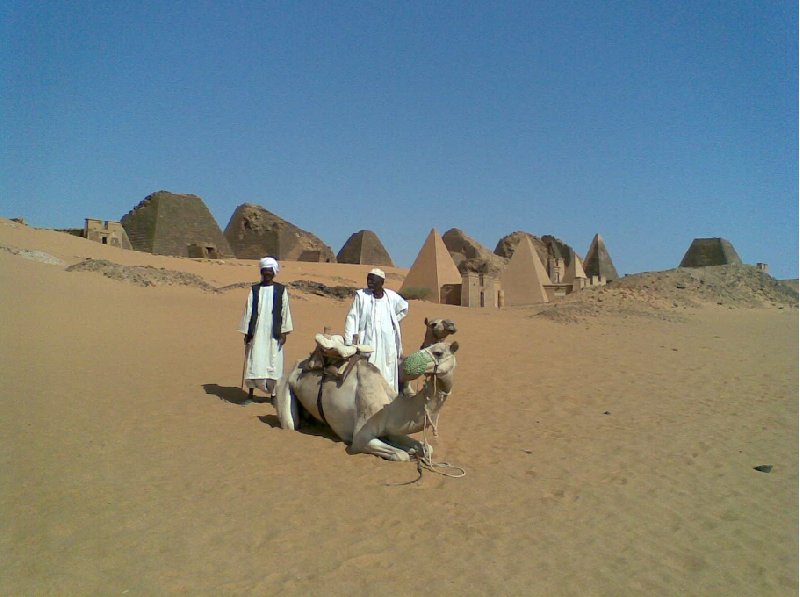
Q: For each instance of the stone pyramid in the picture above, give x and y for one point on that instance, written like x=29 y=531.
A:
x=365 y=248
x=166 y=223
x=574 y=269
x=432 y=269
x=253 y=232
x=598 y=261
x=524 y=278
x=710 y=251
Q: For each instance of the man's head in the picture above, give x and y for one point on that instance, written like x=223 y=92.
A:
x=375 y=279
x=268 y=266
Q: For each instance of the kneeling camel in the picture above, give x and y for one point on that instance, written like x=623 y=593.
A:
x=363 y=409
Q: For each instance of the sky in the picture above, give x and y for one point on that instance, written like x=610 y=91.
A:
x=650 y=123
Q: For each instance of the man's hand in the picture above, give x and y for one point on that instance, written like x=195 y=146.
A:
x=247 y=339
x=282 y=339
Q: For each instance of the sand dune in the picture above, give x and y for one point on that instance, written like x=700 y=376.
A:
x=609 y=455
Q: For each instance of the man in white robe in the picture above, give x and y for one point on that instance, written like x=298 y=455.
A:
x=374 y=319
x=265 y=330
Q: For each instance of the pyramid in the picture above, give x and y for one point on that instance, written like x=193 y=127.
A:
x=432 y=269
x=524 y=278
x=710 y=251
x=598 y=261
x=574 y=269
x=365 y=248
x=166 y=223
x=254 y=232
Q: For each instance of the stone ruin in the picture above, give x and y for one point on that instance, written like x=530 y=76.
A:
x=253 y=232
x=523 y=270
x=166 y=223
x=480 y=270
x=364 y=248
x=106 y=233
x=710 y=251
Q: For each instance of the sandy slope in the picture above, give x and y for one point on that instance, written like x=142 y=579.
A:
x=613 y=456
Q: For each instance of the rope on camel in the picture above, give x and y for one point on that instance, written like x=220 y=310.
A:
x=424 y=461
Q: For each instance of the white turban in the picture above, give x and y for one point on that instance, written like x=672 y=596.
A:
x=378 y=272
x=269 y=262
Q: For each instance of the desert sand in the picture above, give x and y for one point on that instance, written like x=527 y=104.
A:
x=607 y=455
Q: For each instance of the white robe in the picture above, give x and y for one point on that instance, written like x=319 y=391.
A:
x=377 y=323
x=265 y=356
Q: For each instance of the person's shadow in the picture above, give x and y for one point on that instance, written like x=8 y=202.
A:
x=232 y=395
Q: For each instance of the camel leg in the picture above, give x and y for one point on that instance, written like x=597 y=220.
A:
x=377 y=448
x=407 y=444
x=286 y=404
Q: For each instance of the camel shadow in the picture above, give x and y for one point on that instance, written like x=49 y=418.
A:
x=232 y=395
x=238 y=396
x=308 y=426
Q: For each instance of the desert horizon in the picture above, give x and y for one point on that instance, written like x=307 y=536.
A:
x=610 y=440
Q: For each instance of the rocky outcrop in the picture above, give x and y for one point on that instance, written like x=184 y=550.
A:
x=546 y=246
x=253 y=232
x=471 y=256
x=365 y=248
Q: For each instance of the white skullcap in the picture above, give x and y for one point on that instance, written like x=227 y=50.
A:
x=378 y=272
x=269 y=262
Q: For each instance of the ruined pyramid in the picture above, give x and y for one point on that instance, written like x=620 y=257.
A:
x=254 y=232
x=365 y=248
x=710 y=251
x=166 y=223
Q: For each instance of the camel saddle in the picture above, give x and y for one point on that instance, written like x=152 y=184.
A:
x=335 y=358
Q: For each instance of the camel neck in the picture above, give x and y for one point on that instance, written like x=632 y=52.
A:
x=434 y=386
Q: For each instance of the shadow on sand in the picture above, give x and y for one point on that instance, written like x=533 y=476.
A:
x=238 y=396
x=233 y=395
x=308 y=426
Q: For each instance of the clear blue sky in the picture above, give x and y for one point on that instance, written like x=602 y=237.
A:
x=649 y=122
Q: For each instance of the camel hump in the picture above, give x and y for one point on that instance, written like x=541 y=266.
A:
x=373 y=392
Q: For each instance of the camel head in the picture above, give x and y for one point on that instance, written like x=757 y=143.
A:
x=437 y=359
x=437 y=330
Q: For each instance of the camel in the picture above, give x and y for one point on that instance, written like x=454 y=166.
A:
x=363 y=410
x=437 y=330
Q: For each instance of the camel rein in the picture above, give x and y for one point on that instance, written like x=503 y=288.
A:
x=424 y=460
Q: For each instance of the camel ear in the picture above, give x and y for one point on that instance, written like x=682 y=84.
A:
x=454 y=347
x=426 y=323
